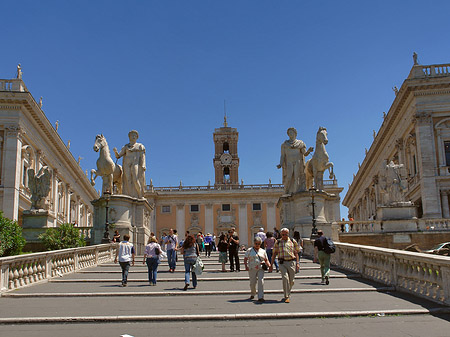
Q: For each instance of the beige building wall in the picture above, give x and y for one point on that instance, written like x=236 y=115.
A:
x=414 y=133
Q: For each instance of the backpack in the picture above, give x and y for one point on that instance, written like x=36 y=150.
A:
x=329 y=246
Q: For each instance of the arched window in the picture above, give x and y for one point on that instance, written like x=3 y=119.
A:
x=226 y=147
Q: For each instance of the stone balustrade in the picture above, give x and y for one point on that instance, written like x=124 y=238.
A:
x=23 y=270
x=85 y=231
x=374 y=226
x=12 y=85
x=420 y=274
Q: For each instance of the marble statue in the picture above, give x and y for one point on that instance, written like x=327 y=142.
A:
x=110 y=172
x=39 y=185
x=395 y=90
x=416 y=62
x=56 y=125
x=133 y=163
x=40 y=102
x=293 y=152
x=319 y=162
x=393 y=185
x=19 y=72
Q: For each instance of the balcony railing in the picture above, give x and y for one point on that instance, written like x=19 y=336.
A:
x=435 y=70
x=375 y=226
x=12 y=85
x=221 y=187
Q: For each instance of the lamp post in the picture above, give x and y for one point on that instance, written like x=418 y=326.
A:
x=106 y=238
x=313 y=204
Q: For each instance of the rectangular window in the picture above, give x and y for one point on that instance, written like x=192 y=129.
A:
x=165 y=209
x=226 y=207
x=194 y=208
x=257 y=207
x=447 y=153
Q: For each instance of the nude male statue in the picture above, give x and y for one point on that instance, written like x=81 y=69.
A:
x=133 y=166
x=293 y=153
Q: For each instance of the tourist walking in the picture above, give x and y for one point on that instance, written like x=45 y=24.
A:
x=324 y=258
x=269 y=243
x=125 y=254
x=256 y=262
x=276 y=233
x=190 y=252
x=262 y=236
x=287 y=252
x=222 y=247
x=171 y=245
x=299 y=240
x=233 y=250
x=116 y=237
x=200 y=241
x=151 y=257
x=208 y=242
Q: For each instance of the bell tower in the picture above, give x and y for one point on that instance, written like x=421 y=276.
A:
x=226 y=160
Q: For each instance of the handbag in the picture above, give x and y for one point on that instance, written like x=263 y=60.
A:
x=198 y=266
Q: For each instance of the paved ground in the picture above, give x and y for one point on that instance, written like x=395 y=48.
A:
x=92 y=303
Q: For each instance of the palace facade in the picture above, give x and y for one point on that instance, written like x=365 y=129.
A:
x=29 y=141
x=415 y=135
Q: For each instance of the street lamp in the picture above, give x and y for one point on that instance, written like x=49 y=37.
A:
x=314 y=228
x=106 y=238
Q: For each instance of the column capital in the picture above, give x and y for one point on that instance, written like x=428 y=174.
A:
x=14 y=130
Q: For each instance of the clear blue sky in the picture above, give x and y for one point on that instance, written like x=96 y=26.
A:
x=165 y=68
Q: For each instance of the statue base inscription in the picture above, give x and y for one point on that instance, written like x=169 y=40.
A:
x=127 y=215
x=296 y=211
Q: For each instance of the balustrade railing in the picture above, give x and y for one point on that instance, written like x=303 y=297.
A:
x=23 y=270
x=435 y=70
x=420 y=274
x=376 y=226
x=12 y=85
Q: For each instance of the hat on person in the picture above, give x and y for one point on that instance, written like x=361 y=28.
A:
x=261 y=229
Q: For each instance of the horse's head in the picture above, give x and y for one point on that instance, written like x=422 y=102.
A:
x=322 y=135
x=100 y=142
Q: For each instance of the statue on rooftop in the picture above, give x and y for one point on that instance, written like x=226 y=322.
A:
x=19 y=72
x=133 y=165
x=292 y=160
x=416 y=62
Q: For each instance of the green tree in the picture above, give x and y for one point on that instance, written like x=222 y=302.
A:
x=11 y=239
x=64 y=236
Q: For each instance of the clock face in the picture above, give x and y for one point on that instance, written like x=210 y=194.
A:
x=226 y=159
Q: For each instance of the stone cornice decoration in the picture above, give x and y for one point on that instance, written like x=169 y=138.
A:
x=399 y=144
x=14 y=130
x=444 y=124
x=180 y=206
x=430 y=93
x=423 y=117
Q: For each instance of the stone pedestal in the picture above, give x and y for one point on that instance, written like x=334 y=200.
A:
x=127 y=215
x=35 y=222
x=398 y=217
x=296 y=211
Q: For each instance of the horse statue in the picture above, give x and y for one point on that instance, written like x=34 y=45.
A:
x=316 y=166
x=110 y=172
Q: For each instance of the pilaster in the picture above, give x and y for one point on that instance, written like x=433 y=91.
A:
x=243 y=224
x=209 y=218
x=181 y=222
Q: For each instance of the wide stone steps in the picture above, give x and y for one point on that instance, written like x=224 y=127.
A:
x=95 y=295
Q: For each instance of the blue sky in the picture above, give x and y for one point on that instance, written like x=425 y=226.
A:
x=165 y=68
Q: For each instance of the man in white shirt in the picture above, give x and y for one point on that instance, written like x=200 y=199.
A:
x=172 y=243
x=125 y=253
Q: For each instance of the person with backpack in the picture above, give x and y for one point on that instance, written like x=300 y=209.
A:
x=322 y=253
x=151 y=257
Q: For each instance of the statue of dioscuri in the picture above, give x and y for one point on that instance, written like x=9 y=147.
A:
x=39 y=185
x=293 y=152
x=316 y=166
x=110 y=172
x=134 y=166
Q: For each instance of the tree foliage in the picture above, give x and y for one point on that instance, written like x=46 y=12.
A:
x=11 y=238
x=64 y=236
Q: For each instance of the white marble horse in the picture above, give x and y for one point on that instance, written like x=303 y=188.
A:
x=110 y=172
x=316 y=166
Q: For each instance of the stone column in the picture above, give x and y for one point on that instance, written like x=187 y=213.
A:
x=426 y=153
x=209 y=218
x=11 y=171
x=271 y=216
x=243 y=224
x=77 y=210
x=445 y=208
x=67 y=208
x=181 y=222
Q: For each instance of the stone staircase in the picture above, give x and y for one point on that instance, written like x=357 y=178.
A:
x=94 y=296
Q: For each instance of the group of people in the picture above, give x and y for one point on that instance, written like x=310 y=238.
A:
x=269 y=249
